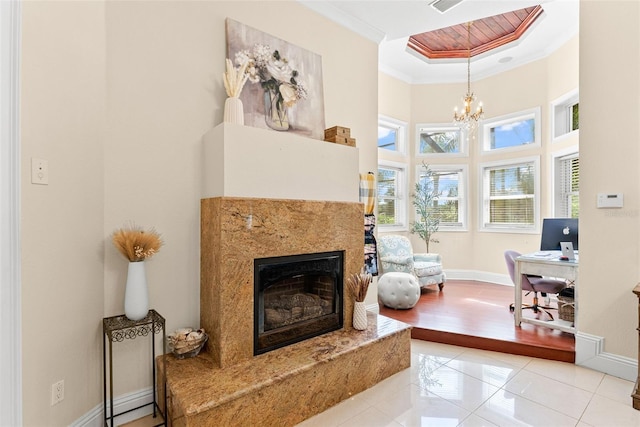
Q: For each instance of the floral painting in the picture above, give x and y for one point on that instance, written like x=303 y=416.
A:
x=284 y=88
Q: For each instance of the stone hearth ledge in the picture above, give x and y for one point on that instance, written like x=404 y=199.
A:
x=286 y=386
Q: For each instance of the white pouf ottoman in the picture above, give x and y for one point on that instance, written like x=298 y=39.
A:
x=398 y=290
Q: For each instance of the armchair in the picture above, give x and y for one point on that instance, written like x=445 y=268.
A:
x=396 y=254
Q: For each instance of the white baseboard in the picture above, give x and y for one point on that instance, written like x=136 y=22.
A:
x=480 y=276
x=94 y=418
x=590 y=355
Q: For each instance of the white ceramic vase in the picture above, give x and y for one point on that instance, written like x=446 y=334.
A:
x=233 y=111
x=359 y=315
x=136 y=294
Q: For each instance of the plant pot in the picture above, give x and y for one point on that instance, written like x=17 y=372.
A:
x=136 y=294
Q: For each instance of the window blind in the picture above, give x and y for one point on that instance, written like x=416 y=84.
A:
x=511 y=194
x=569 y=186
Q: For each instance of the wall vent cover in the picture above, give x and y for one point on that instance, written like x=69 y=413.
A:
x=443 y=5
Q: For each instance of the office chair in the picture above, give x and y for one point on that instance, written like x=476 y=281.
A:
x=533 y=284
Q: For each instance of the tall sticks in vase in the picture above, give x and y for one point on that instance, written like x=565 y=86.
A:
x=358 y=284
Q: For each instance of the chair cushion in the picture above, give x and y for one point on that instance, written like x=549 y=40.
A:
x=397 y=259
x=423 y=269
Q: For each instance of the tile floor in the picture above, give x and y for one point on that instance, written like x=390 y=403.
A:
x=457 y=386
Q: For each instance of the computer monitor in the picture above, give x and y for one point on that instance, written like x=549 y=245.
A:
x=556 y=230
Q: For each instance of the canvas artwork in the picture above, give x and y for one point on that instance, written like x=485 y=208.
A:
x=284 y=91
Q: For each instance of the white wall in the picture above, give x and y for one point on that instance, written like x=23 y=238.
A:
x=117 y=96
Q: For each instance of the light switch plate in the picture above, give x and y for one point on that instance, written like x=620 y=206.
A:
x=39 y=171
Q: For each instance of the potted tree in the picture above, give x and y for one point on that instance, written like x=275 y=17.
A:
x=425 y=200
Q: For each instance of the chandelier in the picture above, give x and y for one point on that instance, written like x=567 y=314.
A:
x=466 y=119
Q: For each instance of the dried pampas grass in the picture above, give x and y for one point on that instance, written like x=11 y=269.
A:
x=358 y=285
x=137 y=244
x=235 y=78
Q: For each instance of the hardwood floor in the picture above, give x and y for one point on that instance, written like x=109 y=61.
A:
x=476 y=314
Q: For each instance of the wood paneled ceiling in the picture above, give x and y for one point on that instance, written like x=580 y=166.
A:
x=486 y=34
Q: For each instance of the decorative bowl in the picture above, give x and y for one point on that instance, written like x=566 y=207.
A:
x=186 y=343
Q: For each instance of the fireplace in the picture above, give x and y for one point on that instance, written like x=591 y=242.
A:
x=296 y=297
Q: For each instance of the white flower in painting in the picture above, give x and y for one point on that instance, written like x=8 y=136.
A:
x=280 y=70
x=288 y=93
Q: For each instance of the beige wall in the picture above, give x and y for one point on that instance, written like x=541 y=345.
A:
x=62 y=224
x=117 y=97
x=609 y=157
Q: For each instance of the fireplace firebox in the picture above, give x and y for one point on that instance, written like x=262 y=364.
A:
x=296 y=297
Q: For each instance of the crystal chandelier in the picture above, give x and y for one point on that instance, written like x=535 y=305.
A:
x=466 y=119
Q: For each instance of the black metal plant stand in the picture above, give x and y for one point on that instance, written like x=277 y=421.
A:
x=119 y=328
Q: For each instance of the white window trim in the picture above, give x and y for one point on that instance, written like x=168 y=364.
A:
x=488 y=124
x=555 y=174
x=464 y=199
x=441 y=126
x=401 y=208
x=10 y=281
x=560 y=116
x=403 y=134
x=482 y=201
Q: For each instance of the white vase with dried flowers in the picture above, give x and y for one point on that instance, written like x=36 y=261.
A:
x=358 y=285
x=234 y=80
x=137 y=245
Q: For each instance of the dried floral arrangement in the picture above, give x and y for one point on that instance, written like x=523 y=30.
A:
x=135 y=243
x=235 y=78
x=358 y=285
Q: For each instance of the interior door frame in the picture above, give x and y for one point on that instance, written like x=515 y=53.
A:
x=10 y=286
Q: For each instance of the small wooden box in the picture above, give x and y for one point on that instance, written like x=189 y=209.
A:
x=337 y=131
x=351 y=142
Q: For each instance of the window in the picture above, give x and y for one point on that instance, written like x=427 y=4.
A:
x=392 y=134
x=567 y=201
x=574 y=114
x=565 y=114
x=391 y=192
x=439 y=140
x=514 y=131
x=450 y=183
x=510 y=195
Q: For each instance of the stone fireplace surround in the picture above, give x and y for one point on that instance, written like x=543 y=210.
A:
x=235 y=231
x=226 y=384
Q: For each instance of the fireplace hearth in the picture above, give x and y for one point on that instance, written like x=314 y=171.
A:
x=228 y=384
x=296 y=297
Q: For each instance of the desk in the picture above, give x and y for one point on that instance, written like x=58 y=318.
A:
x=550 y=267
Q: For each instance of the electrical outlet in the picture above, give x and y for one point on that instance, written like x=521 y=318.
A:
x=57 y=392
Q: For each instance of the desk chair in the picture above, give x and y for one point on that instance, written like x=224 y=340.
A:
x=533 y=284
